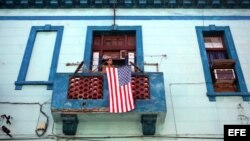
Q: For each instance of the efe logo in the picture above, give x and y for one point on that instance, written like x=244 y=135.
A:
x=236 y=132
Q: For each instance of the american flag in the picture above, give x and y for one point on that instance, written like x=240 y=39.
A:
x=120 y=92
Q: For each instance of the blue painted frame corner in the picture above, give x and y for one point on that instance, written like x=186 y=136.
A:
x=21 y=80
x=139 y=45
x=233 y=55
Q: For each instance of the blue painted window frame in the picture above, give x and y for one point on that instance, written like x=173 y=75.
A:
x=89 y=39
x=232 y=54
x=21 y=80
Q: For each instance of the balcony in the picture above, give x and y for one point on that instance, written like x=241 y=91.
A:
x=82 y=97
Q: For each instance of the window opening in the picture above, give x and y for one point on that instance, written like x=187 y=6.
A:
x=41 y=56
x=221 y=66
x=117 y=45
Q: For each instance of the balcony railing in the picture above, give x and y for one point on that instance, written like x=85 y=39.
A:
x=91 y=87
x=76 y=97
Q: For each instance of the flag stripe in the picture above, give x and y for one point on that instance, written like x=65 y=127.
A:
x=115 y=94
x=112 y=89
x=127 y=100
x=122 y=99
x=110 y=95
x=131 y=96
x=126 y=91
x=117 y=89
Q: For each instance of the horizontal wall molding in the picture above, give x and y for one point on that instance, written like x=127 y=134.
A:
x=53 y=4
x=125 y=17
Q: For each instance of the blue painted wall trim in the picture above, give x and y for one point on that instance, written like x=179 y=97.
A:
x=21 y=80
x=130 y=4
x=233 y=55
x=125 y=17
x=89 y=39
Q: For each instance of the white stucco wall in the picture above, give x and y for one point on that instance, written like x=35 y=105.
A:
x=190 y=115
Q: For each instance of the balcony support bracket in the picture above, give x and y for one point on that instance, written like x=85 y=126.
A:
x=148 y=124
x=70 y=123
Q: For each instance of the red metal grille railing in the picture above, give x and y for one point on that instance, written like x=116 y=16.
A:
x=85 y=87
x=140 y=87
x=91 y=87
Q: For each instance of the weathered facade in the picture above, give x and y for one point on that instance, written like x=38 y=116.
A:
x=193 y=57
